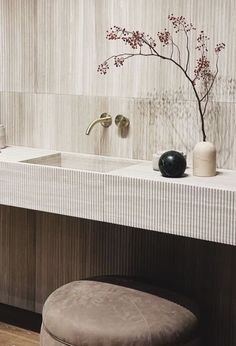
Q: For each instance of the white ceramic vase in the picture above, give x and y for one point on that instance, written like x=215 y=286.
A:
x=204 y=159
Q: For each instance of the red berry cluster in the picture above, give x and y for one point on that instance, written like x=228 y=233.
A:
x=180 y=23
x=202 y=69
x=119 y=61
x=219 y=47
x=164 y=37
x=134 y=39
x=102 y=68
x=202 y=41
x=114 y=33
x=138 y=39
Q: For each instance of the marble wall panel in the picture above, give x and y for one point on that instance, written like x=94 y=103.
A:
x=60 y=52
x=60 y=121
x=55 y=46
x=17 y=45
x=161 y=123
x=71 y=43
x=50 y=89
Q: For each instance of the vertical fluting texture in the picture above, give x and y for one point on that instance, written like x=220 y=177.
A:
x=17 y=257
x=50 y=89
x=51 y=189
x=17 y=46
x=192 y=210
x=168 y=207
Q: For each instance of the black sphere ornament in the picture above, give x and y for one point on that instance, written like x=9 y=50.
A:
x=172 y=164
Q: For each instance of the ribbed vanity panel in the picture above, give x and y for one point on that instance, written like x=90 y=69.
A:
x=181 y=209
x=52 y=189
x=191 y=207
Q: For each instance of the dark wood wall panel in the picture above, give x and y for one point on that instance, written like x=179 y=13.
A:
x=17 y=257
x=59 y=253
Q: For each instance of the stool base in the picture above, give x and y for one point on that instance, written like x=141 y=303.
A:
x=47 y=340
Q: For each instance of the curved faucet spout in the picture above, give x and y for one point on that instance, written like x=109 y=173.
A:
x=105 y=120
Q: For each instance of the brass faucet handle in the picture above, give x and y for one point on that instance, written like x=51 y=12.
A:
x=107 y=119
x=121 y=121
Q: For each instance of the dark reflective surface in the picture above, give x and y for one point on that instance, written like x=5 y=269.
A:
x=172 y=164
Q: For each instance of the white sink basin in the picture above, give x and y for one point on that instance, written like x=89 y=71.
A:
x=83 y=162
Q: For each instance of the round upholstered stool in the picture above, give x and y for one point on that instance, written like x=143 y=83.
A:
x=118 y=312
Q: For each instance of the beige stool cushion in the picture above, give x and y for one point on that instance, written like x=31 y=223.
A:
x=93 y=313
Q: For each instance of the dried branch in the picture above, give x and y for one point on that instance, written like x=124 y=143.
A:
x=188 y=52
x=139 y=40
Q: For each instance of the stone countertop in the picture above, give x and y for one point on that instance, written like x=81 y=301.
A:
x=139 y=169
x=224 y=179
x=18 y=153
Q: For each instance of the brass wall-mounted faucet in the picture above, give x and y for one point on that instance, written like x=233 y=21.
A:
x=105 y=120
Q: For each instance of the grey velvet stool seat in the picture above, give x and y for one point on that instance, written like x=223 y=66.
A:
x=118 y=312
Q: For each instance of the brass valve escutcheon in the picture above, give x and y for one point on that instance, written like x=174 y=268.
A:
x=121 y=121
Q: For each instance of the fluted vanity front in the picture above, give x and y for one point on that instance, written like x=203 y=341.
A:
x=120 y=191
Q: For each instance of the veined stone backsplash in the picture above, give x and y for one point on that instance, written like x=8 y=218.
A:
x=50 y=90
x=59 y=122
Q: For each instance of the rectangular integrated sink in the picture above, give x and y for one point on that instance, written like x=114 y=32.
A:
x=84 y=162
